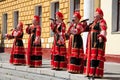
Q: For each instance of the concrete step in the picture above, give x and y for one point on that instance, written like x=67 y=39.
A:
x=10 y=77
x=112 y=72
x=4 y=57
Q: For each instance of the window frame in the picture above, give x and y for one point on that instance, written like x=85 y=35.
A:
x=53 y=11
x=72 y=8
x=38 y=12
x=16 y=20
x=4 y=22
x=115 y=18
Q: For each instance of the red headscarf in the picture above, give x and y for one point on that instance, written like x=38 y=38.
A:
x=59 y=14
x=37 y=18
x=77 y=14
x=100 y=12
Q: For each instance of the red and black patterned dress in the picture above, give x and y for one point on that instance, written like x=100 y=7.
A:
x=75 y=49
x=58 y=52
x=17 y=55
x=34 y=54
x=95 y=51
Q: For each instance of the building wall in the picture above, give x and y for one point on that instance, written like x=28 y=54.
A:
x=26 y=10
x=113 y=44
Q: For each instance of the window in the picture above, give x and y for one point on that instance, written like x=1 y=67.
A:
x=74 y=6
x=116 y=16
x=16 y=18
x=54 y=9
x=4 y=28
x=38 y=12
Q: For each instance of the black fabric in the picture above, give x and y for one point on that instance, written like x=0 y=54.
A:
x=62 y=58
x=85 y=62
x=20 y=56
x=33 y=39
x=94 y=40
x=33 y=57
x=56 y=58
x=75 y=61
x=19 y=42
x=97 y=27
x=95 y=63
x=59 y=58
x=78 y=42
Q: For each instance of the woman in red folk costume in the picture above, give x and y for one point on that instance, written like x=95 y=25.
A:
x=17 y=56
x=95 y=51
x=75 y=46
x=34 y=54
x=58 y=52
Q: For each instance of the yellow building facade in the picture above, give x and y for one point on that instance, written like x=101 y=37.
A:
x=26 y=10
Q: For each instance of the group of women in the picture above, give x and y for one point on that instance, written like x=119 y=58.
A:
x=72 y=58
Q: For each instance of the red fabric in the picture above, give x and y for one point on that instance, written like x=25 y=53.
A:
x=28 y=52
x=77 y=14
x=37 y=18
x=59 y=14
x=12 y=52
x=103 y=37
x=36 y=64
x=74 y=68
x=103 y=24
x=38 y=31
x=61 y=51
x=87 y=70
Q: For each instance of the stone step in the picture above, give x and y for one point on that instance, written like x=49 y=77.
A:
x=10 y=77
x=45 y=73
x=112 y=72
x=4 y=57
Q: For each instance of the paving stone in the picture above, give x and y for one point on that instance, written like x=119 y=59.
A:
x=45 y=71
x=62 y=74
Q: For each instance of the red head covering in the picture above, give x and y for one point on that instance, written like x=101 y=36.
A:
x=77 y=14
x=100 y=12
x=59 y=14
x=20 y=24
x=37 y=18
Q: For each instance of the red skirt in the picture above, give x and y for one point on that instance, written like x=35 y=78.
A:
x=95 y=66
x=75 y=64
x=17 y=56
x=58 y=57
x=34 y=57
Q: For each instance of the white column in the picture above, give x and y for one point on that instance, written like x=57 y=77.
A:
x=88 y=14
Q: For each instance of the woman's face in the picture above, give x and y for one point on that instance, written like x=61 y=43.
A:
x=75 y=19
x=18 y=27
x=58 y=18
x=96 y=16
x=35 y=22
